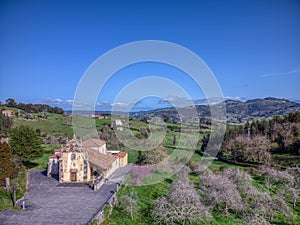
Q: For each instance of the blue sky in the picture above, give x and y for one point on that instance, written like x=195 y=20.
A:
x=253 y=47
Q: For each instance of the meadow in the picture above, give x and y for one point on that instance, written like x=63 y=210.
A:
x=60 y=126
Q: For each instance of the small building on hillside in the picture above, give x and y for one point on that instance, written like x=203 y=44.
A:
x=8 y=112
x=85 y=162
x=118 y=124
x=100 y=116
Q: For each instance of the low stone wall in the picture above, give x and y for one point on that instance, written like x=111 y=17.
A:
x=99 y=217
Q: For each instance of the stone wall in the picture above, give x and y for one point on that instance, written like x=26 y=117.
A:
x=111 y=201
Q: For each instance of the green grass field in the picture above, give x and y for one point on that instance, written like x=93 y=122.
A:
x=6 y=198
x=56 y=125
x=146 y=195
x=61 y=126
x=42 y=162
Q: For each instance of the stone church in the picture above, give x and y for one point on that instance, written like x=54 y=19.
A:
x=85 y=162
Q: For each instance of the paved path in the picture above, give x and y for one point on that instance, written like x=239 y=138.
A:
x=47 y=202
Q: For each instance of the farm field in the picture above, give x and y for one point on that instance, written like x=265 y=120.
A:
x=174 y=143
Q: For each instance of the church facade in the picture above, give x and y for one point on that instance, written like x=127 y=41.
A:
x=85 y=162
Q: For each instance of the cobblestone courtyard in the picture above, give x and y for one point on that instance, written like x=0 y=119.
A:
x=48 y=202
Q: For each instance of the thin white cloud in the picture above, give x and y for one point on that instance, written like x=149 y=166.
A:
x=52 y=101
x=121 y=104
x=176 y=101
x=290 y=72
x=70 y=101
x=183 y=102
x=103 y=104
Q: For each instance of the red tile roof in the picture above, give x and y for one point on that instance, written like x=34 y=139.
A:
x=122 y=154
x=98 y=159
x=93 y=143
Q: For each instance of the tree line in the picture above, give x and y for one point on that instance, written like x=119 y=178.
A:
x=33 y=108
x=256 y=141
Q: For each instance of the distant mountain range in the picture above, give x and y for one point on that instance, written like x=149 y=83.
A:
x=262 y=107
x=158 y=104
x=237 y=111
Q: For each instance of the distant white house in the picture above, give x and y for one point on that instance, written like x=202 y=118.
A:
x=119 y=124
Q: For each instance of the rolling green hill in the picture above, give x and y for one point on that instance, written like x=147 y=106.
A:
x=237 y=111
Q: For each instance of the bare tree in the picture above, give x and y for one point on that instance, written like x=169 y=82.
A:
x=255 y=149
x=256 y=219
x=273 y=176
x=259 y=147
x=105 y=132
x=285 y=134
x=129 y=203
x=295 y=172
x=261 y=203
x=240 y=178
x=138 y=173
x=277 y=204
x=233 y=189
x=155 y=156
x=287 y=179
x=269 y=205
x=294 y=194
x=182 y=205
x=293 y=188
x=144 y=132
x=221 y=192
x=183 y=173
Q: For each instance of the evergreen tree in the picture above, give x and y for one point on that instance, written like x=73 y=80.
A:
x=6 y=164
x=25 y=143
x=205 y=141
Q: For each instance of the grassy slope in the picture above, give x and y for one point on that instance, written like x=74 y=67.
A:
x=57 y=125
x=42 y=162
x=147 y=195
x=6 y=198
